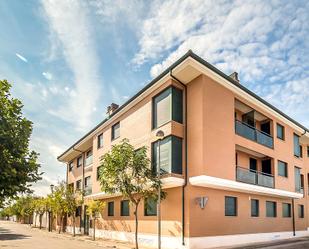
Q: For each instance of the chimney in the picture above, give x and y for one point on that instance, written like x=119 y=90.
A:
x=234 y=76
x=112 y=108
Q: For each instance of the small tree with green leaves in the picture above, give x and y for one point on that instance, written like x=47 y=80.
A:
x=94 y=208
x=59 y=203
x=73 y=199
x=127 y=171
x=40 y=208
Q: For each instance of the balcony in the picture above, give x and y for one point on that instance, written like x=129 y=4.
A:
x=88 y=161
x=253 y=134
x=254 y=177
x=88 y=190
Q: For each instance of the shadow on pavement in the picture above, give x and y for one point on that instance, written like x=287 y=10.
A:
x=12 y=236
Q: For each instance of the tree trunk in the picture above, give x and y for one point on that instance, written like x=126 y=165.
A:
x=60 y=225
x=136 y=225
x=73 y=224
x=35 y=219
x=94 y=228
x=40 y=217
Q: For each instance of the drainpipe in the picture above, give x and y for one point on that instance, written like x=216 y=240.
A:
x=186 y=160
x=293 y=217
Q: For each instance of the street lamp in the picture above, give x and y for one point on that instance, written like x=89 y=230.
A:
x=160 y=136
x=49 y=210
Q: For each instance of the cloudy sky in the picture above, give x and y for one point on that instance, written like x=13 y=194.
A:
x=67 y=60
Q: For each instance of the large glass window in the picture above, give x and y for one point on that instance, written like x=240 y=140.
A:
x=124 y=208
x=98 y=172
x=271 y=209
x=150 y=207
x=297 y=179
x=230 y=206
x=286 y=210
x=116 y=131
x=89 y=158
x=110 y=208
x=100 y=141
x=296 y=146
x=78 y=184
x=170 y=155
x=254 y=208
x=280 y=131
x=282 y=169
x=167 y=106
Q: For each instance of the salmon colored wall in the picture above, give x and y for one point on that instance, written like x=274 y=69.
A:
x=212 y=221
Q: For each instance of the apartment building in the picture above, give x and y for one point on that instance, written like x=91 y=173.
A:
x=234 y=167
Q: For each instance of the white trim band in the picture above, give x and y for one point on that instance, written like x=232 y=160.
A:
x=219 y=183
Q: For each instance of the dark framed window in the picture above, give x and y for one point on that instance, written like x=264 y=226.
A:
x=78 y=211
x=230 y=206
x=300 y=151
x=98 y=172
x=110 y=208
x=79 y=161
x=87 y=181
x=89 y=158
x=100 y=141
x=167 y=106
x=271 y=209
x=71 y=166
x=255 y=208
x=170 y=155
x=78 y=184
x=286 y=210
x=297 y=179
x=71 y=186
x=150 y=207
x=282 y=169
x=124 y=208
x=307 y=151
x=280 y=132
x=296 y=145
x=116 y=131
x=301 y=211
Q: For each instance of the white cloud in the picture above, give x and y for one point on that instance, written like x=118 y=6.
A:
x=21 y=57
x=69 y=21
x=47 y=75
x=265 y=41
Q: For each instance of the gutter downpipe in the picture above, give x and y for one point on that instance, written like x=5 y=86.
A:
x=293 y=216
x=186 y=160
x=81 y=223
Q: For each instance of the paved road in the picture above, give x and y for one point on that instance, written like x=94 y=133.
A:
x=14 y=235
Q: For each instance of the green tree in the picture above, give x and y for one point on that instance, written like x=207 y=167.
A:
x=73 y=200
x=127 y=171
x=40 y=207
x=94 y=208
x=18 y=164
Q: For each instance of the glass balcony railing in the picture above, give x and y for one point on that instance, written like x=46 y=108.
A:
x=253 y=134
x=88 y=190
x=88 y=161
x=254 y=177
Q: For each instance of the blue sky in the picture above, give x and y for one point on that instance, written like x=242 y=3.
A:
x=68 y=60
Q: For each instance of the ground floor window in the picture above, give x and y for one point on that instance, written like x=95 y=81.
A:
x=271 y=209
x=150 y=207
x=230 y=206
x=124 y=208
x=254 y=208
x=286 y=210
x=110 y=208
x=301 y=213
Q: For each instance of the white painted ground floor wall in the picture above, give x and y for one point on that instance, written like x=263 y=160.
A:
x=194 y=242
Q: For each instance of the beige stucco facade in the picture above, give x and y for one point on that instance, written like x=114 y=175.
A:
x=214 y=158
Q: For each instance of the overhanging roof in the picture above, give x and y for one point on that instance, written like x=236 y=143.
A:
x=187 y=68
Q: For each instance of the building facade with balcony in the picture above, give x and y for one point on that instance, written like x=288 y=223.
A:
x=234 y=167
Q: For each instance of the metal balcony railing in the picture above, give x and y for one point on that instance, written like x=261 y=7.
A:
x=253 y=134
x=88 y=190
x=88 y=161
x=254 y=177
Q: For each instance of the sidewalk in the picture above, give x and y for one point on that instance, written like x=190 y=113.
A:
x=106 y=243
